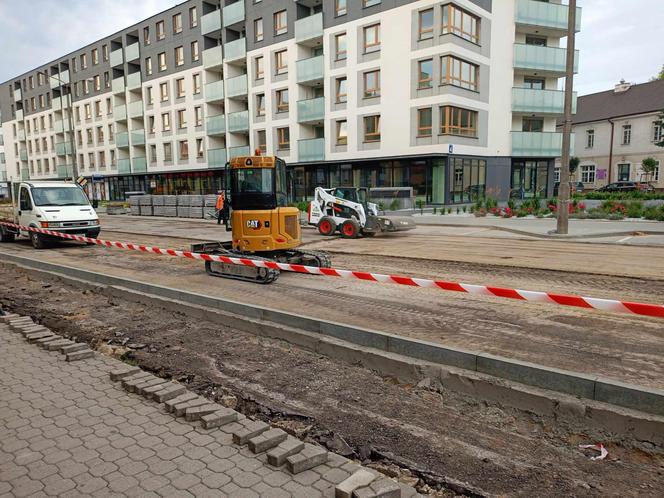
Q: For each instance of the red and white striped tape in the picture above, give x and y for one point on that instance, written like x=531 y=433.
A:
x=652 y=310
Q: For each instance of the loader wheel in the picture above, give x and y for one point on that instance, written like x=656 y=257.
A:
x=326 y=226
x=350 y=229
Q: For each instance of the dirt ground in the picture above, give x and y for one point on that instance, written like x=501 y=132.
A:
x=445 y=437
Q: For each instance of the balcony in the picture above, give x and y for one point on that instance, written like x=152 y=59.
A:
x=238 y=122
x=138 y=137
x=233 y=14
x=65 y=171
x=216 y=125
x=134 y=80
x=2 y=140
x=533 y=144
x=549 y=60
x=120 y=112
x=62 y=125
x=237 y=87
x=56 y=104
x=117 y=57
x=23 y=154
x=236 y=50
x=18 y=95
x=213 y=58
x=124 y=166
x=57 y=79
x=214 y=92
x=118 y=85
x=25 y=174
x=3 y=176
x=242 y=150
x=132 y=52
x=63 y=148
x=216 y=158
x=310 y=71
x=135 y=109
x=122 y=140
x=19 y=114
x=531 y=101
x=21 y=135
x=309 y=30
x=311 y=110
x=211 y=22
x=139 y=165
x=312 y=149
x=546 y=15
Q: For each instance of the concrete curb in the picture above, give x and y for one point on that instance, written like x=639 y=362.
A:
x=403 y=358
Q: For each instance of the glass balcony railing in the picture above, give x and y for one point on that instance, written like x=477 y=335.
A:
x=124 y=166
x=122 y=139
x=61 y=125
x=3 y=176
x=233 y=13
x=310 y=70
x=211 y=22
x=25 y=174
x=65 y=171
x=118 y=85
x=62 y=148
x=18 y=95
x=238 y=121
x=309 y=28
x=132 y=52
x=237 y=86
x=134 y=80
x=23 y=154
x=235 y=50
x=117 y=57
x=21 y=135
x=543 y=59
x=19 y=114
x=311 y=110
x=135 y=109
x=214 y=92
x=213 y=57
x=216 y=158
x=216 y=125
x=545 y=14
x=139 y=165
x=242 y=150
x=529 y=100
x=56 y=104
x=120 y=112
x=138 y=137
x=537 y=144
x=312 y=149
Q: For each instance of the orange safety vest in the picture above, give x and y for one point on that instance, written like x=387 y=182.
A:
x=220 y=203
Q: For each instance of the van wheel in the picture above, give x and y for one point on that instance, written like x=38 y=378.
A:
x=38 y=240
x=6 y=236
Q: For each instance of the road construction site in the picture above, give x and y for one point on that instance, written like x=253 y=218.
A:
x=462 y=443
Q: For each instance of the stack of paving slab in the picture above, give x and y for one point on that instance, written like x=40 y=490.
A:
x=42 y=336
x=145 y=202
x=134 y=205
x=158 y=205
x=170 y=205
x=281 y=449
x=181 y=206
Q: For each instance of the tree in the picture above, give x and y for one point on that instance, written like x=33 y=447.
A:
x=660 y=76
x=659 y=125
x=649 y=165
x=573 y=164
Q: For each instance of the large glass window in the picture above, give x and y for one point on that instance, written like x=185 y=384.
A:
x=372 y=38
x=588 y=173
x=424 y=122
x=426 y=24
x=457 y=121
x=467 y=179
x=461 y=23
x=455 y=71
x=425 y=73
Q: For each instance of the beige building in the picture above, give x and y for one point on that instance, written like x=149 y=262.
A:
x=615 y=130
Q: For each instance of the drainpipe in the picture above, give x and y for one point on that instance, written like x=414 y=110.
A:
x=609 y=180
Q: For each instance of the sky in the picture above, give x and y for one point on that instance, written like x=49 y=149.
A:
x=619 y=38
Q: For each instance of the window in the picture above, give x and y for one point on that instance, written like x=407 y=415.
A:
x=198 y=116
x=372 y=38
x=260 y=104
x=102 y=160
x=623 y=172
x=657 y=131
x=193 y=17
x=258 y=29
x=182 y=119
x=534 y=125
x=626 y=134
x=86 y=87
x=340 y=47
x=151 y=127
x=281 y=62
x=590 y=139
x=457 y=121
x=168 y=152
x=177 y=23
x=84 y=61
x=109 y=107
x=372 y=128
x=261 y=141
x=588 y=173
x=97 y=81
x=372 y=84
x=259 y=68
x=538 y=41
x=654 y=176
x=91 y=160
x=195 y=54
x=88 y=111
x=95 y=56
x=199 y=148
x=166 y=121
x=98 y=108
x=370 y=3
x=179 y=56
x=179 y=87
x=534 y=83
x=424 y=122
x=161 y=33
x=340 y=7
x=162 y=61
x=163 y=91
x=183 y=146
x=196 y=78
x=73 y=64
x=342 y=132
x=283 y=138
x=42 y=101
x=426 y=24
x=107 y=80
x=110 y=132
x=461 y=23
x=148 y=66
x=100 y=134
x=458 y=72
x=40 y=79
x=88 y=134
x=341 y=91
x=425 y=74
x=113 y=158
x=146 y=35
x=282 y=100
x=148 y=95
x=33 y=103
x=280 y=22
x=467 y=179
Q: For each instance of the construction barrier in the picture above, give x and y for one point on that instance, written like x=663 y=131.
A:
x=652 y=310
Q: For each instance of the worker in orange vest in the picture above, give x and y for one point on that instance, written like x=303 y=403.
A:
x=220 y=206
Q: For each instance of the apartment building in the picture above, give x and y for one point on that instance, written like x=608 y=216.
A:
x=453 y=98
x=616 y=130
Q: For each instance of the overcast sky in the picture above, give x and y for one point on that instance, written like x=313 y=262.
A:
x=618 y=39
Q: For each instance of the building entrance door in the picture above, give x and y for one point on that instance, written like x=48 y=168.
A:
x=529 y=178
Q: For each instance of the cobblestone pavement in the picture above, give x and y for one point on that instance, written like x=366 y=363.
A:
x=67 y=430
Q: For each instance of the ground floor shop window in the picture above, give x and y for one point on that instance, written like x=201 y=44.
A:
x=195 y=182
x=467 y=180
x=530 y=178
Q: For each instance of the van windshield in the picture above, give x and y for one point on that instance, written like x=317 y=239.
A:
x=59 y=196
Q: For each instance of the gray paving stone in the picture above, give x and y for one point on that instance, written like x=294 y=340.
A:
x=182 y=398
x=358 y=480
x=44 y=340
x=38 y=335
x=380 y=488
x=80 y=355
x=267 y=440
x=140 y=388
x=56 y=345
x=180 y=409
x=291 y=446
x=133 y=380
x=310 y=457
x=72 y=348
x=171 y=391
x=194 y=413
x=219 y=418
x=124 y=371
x=250 y=430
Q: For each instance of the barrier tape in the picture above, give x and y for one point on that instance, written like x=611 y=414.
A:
x=652 y=310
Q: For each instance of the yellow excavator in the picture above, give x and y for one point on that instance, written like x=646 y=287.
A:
x=264 y=226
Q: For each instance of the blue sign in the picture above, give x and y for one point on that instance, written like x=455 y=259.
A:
x=97 y=178
x=451 y=149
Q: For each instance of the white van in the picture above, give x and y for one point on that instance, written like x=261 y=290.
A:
x=58 y=206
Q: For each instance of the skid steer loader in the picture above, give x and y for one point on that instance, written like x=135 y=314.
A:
x=347 y=210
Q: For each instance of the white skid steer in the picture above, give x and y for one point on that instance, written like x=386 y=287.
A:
x=347 y=210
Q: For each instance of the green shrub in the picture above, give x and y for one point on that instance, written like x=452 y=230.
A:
x=511 y=203
x=465 y=209
x=434 y=210
x=651 y=212
x=303 y=206
x=449 y=210
x=490 y=203
x=634 y=209
x=394 y=205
